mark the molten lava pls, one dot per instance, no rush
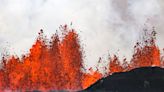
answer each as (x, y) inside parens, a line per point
(57, 64)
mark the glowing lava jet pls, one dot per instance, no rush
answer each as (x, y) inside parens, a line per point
(56, 66)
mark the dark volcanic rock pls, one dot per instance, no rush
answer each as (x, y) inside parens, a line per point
(147, 79)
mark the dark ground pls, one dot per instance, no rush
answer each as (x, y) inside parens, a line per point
(147, 79)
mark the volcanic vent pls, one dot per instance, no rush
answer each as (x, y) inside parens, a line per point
(57, 64)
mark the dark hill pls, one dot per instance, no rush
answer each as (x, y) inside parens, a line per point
(147, 79)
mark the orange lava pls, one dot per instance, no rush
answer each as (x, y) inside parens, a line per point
(57, 64)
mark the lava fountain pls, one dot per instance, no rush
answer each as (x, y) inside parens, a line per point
(57, 64)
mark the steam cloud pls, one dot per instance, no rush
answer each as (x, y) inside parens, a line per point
(104, 26)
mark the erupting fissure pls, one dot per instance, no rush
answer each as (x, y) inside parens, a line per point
(57, 64)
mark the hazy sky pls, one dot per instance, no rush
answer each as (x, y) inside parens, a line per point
(104, 26)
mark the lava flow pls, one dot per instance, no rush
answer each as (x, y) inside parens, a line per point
(57, 64)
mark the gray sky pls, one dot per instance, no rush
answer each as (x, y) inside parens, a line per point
(104, 26)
